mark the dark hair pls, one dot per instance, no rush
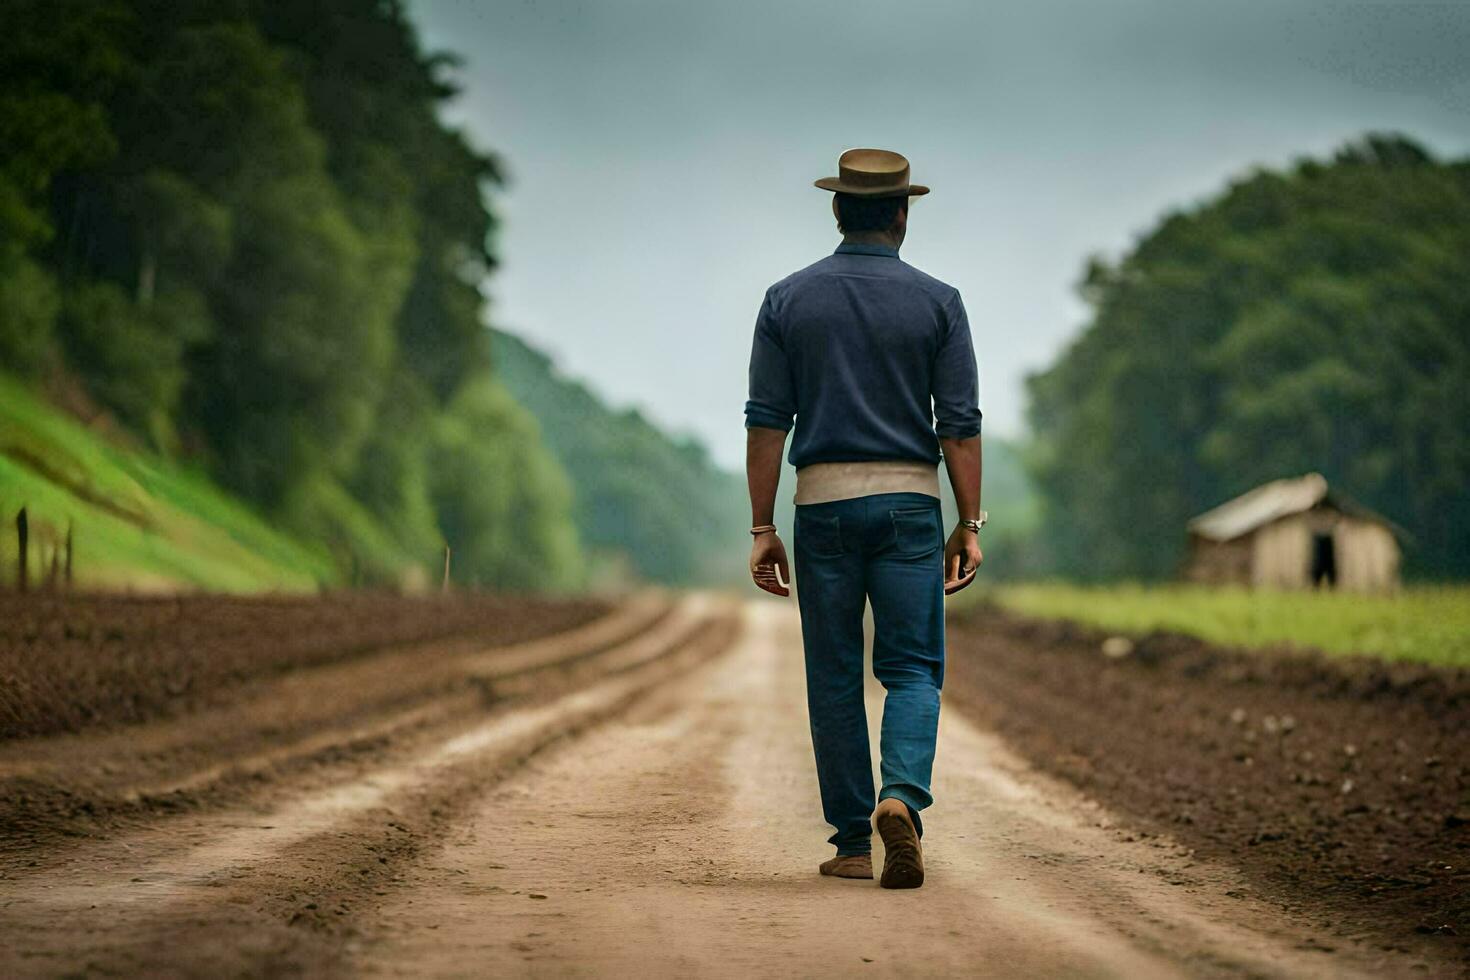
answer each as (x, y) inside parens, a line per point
(867, 213)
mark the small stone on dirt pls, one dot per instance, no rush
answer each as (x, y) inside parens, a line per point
(1117, 647)
(1444, 929)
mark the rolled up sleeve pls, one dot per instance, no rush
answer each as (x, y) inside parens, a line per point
(772, 403)
(956, 389)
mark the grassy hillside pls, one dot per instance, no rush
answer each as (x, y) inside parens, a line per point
(139, 521)
(1430, 624)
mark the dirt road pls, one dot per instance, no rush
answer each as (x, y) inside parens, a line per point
(685, 844)
(651, 812)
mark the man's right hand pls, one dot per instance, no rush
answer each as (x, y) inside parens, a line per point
(962, 559)
(767, 556)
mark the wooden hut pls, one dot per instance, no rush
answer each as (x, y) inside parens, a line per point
(1294, 534)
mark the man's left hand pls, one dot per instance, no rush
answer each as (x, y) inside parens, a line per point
(962, 559)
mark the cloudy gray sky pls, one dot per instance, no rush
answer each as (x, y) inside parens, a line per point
(662, 152)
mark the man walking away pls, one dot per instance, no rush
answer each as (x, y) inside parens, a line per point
(873, 361)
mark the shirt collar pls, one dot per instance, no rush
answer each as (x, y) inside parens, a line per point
(858, 248)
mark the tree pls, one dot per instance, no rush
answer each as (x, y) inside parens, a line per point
(243, 227)
(1317, 319)
(502, 499)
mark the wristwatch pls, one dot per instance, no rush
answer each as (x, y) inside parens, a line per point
(976, 525)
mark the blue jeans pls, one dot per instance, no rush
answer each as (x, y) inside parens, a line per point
(885, 549)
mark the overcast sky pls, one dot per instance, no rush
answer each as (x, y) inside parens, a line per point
(661, 154)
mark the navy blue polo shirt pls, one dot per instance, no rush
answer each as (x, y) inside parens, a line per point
(870, 357)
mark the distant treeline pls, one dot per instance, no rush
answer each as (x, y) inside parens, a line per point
(661, 505)
(240, 229)
(1314, 319)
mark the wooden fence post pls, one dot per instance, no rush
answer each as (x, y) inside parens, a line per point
(23, 534)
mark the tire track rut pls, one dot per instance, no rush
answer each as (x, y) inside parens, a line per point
(258, 889)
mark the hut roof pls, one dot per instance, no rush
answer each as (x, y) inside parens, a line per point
(1273, 501)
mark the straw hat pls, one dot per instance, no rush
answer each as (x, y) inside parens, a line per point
(872, 173)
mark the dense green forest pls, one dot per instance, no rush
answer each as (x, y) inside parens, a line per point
(238, 232)
(1314, 319)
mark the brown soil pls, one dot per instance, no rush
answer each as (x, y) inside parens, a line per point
(643, 806)
(277, 878)
(276, 702)
(69, 662)
(635, 795)
(1338, 785)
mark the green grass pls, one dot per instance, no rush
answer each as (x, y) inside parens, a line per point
(139, 521)
(1429, 624)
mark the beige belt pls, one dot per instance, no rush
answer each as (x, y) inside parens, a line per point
(819, 483)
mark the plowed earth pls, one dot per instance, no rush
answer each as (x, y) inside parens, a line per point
(70, 662)
(1340, 786)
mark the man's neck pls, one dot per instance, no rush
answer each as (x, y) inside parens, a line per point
(885, 238)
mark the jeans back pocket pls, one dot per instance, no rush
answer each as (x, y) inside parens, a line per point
(916, 531)
(819, 535)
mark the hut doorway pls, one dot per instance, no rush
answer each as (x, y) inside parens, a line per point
(1324, 561)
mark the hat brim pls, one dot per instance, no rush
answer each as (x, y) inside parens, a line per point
(836, 184)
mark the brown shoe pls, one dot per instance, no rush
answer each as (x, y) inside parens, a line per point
(903, 858)
(849, 866)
